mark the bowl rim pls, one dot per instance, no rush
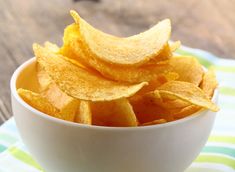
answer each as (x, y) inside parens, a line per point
(32, 60)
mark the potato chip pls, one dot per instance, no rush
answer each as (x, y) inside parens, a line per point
(51, 47)
(37, 101)
(67, 105)
(80, 83)
(44, 79)
(74, 49)
(113, 113)
(172, 105)
(146, 111)
(159, 80)
(84, 115)
(209, 83)
(165, 54)
(158, 121)
(133, 51)
(175, 45)
(188, 68)
(184, 91)
(189, 110)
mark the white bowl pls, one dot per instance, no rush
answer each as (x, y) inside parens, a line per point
(62, 146)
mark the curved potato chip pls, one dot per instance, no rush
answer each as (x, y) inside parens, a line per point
(209, 83)
(84, 115)
(80, 83)
(185, 91)
(135, 50)
(37, 101)
(66, 104)
(113, 113)
(75, 50)
(188, 68)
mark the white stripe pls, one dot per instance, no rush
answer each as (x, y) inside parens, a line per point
(225, 121)
(8, 132)
(225, 62)
(5, 143)
(226, 79)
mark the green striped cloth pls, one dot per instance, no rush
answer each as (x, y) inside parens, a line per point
(218, 155)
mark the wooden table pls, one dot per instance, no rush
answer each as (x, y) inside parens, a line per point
(202, 24)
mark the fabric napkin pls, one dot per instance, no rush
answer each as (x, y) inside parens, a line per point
(218, 155)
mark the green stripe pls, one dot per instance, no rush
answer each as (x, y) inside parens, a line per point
(8, 138)
(200, 169)
(202, 60)
(216, 159)
(221, 150)
(223, 139)
(2, 148)
(229, 69)
(24, 157)
(227, 91)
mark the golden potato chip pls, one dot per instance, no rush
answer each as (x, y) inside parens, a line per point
(146, 111)
(80, 83)
(189, 110)
(175, 45)
(51, 47)
(209, 83)
(188, 68)
(165, 54)
(113, 113)
(159, 80)
(69, 110)
(84, 115)
(37, 101)
(67, 105)
(44, 79)
(74, 49)
(171, 105)
(184, 91)
(134, 51)
(158, 121)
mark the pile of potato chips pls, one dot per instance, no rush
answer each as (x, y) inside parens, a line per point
(99, 79)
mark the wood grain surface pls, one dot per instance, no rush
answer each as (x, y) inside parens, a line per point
(207, 25)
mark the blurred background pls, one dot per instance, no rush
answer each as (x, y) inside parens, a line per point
(207, 25)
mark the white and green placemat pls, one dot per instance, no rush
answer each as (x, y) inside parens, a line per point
(217, 156)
